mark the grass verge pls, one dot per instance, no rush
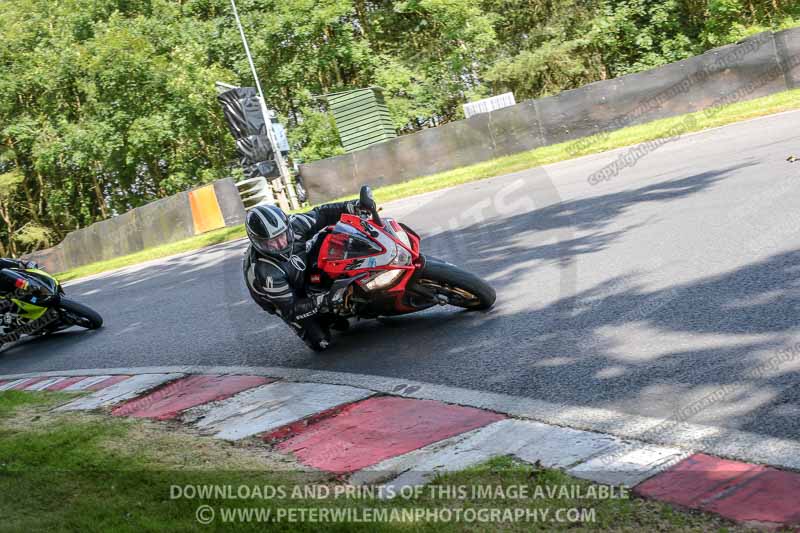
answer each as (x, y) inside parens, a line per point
(157, 252)
(90, 472)
(711, 118)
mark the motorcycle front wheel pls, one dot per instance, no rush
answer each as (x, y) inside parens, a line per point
(461, 288)
(77, 314)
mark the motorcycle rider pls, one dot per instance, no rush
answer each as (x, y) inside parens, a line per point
(11, 282)
(276, 264)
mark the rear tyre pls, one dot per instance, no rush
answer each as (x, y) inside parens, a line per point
(461, 288)
(77, 314)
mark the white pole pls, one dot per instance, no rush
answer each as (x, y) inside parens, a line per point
(247, 51)
(284, 171)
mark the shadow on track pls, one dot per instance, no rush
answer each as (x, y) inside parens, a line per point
(682, 343)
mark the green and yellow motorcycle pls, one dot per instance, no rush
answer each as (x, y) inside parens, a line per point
(41, 308)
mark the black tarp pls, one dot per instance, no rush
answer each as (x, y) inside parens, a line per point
(255, 148)
(246, 122)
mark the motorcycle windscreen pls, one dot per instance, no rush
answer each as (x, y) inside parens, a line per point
(346, 242)
(43, 279)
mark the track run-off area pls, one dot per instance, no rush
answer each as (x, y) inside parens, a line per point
(662, 302)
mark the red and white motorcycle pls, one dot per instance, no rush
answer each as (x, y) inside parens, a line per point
(373, 267)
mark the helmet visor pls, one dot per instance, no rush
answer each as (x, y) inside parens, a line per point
(274, 245)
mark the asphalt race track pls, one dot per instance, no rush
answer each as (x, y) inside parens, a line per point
(672, 287)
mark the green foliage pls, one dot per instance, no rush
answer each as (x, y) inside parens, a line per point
(33, 235)
(9, 183)
(315, 137)
(723, 17)
(108, 104)
(637, 35)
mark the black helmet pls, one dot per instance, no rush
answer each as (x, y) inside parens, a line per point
(268, 230)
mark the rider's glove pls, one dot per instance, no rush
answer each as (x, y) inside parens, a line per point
(355, 207)
(328, 302)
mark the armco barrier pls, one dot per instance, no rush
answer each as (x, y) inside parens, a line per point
(763, 64)
(161, 222)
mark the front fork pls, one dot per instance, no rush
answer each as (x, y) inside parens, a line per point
(418, 297)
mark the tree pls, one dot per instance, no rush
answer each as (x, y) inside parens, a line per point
(106, 105)
(10, 183)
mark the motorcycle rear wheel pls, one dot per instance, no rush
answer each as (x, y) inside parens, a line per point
(461, 288)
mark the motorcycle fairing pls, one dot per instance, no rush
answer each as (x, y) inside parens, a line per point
(361, 250)
(347, 248)
(31, 309)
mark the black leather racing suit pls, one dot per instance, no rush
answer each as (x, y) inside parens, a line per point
(278, 284)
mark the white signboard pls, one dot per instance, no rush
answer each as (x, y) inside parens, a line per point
(489, 104)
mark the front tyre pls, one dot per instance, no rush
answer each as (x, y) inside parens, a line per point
(459, 287)
(77, 314)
